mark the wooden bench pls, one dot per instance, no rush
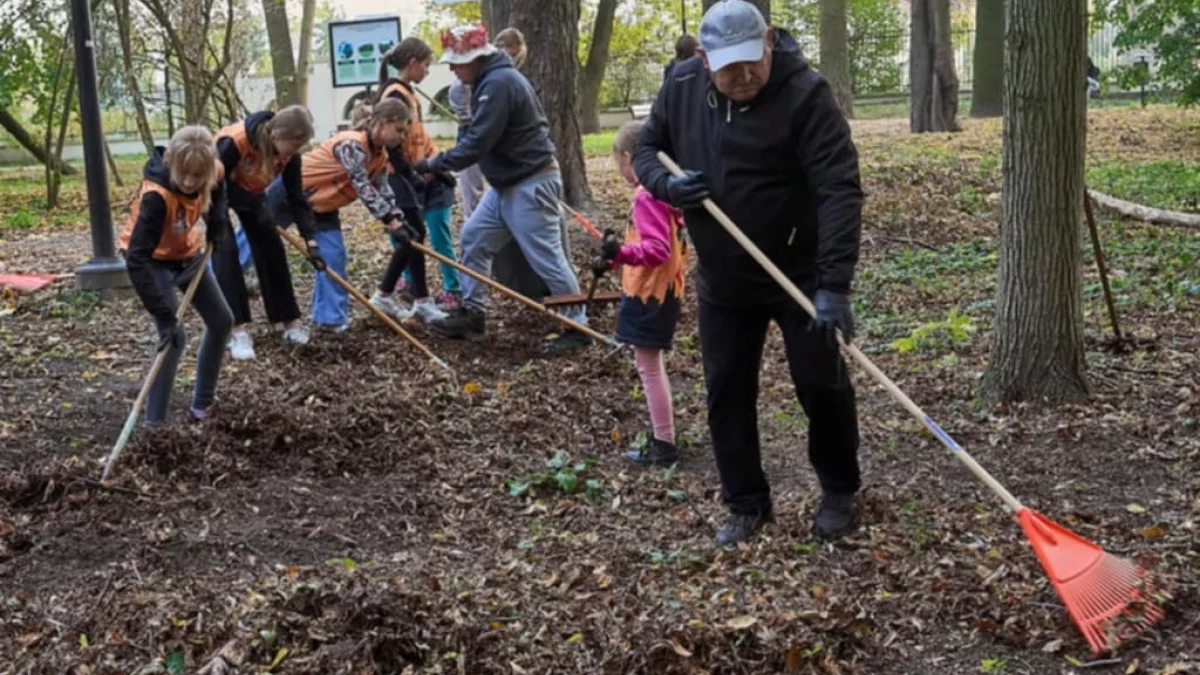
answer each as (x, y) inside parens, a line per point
(640, 110)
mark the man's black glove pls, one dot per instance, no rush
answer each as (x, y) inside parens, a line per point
(172, 336)
(314, 255)
(446, 178)
(610, 245)
(833, 312)
(687, 191)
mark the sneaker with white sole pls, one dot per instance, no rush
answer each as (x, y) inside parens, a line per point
(297, 335)
(388, 304)
(335, 328)
(427, 310)
(241, 346)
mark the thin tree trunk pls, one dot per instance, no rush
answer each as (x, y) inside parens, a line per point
(125, 30)
(283, 65)
(987, 89)
(52, 175)
(303, 61)
(112, 165)
(597, 64)
(945, 80)
(835, 53)
(764, 6)
(19, 133)
(933, 83)
(52, 187)
(167, 92)
(1037, 351)
(552, 32)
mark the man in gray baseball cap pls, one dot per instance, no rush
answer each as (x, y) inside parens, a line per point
(758, 131)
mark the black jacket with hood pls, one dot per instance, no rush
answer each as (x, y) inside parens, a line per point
(242, 202)
(782, 166)
(509, 136)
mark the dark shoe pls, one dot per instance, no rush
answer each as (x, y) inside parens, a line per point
(654, 453)
(743, 527)
(835, 517)
(467, 324)
(569, 341)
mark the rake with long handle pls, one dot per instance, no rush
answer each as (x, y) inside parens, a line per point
(387, 320)
(131, 420)
(524, 300)
(1100, 590)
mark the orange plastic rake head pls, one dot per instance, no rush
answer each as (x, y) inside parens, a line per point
(1103, 593)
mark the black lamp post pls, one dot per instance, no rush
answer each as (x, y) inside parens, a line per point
(105, 269)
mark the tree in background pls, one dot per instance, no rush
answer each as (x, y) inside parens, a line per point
(835, 62)
(1170, 29)
(875, 39)
(283, 62)
(932, 79)
(987, 87)
(595, 67)
(1037, 350)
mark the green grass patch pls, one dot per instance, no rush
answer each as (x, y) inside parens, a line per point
(599, 145)
(1167, 184)
(1155, 268)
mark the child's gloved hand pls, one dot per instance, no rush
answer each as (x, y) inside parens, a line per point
(600, 265)
(610, 246)
(171, 337)
(314, 255)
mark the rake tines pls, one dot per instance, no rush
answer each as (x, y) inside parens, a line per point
(1103, 592)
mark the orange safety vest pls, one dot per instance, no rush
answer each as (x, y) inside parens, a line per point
(250, 174)
(418, 144)
(180, 237)
(657, 282)
(327, 183)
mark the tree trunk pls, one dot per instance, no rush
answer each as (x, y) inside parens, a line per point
(835, 53)
(304, 60)
(124, 31)
(54, 181)
(934, 85)
(552, 32)
(764, 6)
(112, 165)
(167, 93)
(1037, 351)
(283, 64)
(497, 15)
(987, 91)
(14, 128)
(597, 64)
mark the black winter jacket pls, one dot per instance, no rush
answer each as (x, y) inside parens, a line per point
(782, 166)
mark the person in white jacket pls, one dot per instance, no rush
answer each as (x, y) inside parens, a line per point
(470, 179)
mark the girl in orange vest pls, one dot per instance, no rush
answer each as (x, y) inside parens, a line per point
(161, 243)
(426, 200)
(260, 154)
(350, 165)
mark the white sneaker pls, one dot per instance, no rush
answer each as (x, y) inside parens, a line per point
(241, 346)
(296, 336)
(426, 310)
(388, 304)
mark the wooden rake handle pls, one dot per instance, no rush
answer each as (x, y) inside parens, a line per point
(131, 420)
(798, 295)
(524, 300)
(387, 320)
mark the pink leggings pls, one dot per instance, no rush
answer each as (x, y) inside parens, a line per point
(658, 391)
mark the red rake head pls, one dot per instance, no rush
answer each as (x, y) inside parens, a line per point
(1102, 592)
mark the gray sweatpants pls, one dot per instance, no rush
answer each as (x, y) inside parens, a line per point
(218, 321)
(471, 187)
(527, 212)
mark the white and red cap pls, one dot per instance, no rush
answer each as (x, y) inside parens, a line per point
(464, 44)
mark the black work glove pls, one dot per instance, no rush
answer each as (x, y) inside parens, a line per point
(610, 246)
(402, 232)
(172, 336)
(446, 178)
(422, 167)
(833, 312)
(314, 255)
(600, 265)
(687, 191)
(217, 233)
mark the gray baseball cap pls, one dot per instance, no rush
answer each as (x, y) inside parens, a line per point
(733, 31)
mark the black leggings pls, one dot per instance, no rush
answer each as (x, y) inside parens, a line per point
(406, 257)
(271, 262)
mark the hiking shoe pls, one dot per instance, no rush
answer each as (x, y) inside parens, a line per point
(568, 341)
(743, 527)
(450, 301)
(241, 346)
(835, 516)
(470, 324)
(426, 310)
(297, 335)
(388, 304)
(654, 453)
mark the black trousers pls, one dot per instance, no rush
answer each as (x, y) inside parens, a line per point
(732, 339)
(270, 260)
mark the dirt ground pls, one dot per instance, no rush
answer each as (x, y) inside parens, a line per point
(349, 509)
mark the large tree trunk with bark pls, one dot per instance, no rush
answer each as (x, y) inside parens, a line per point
(283, 64)
(933, 81)
(496, 14)
(21, 135)
(125, 33)
(304, 59)
(835, 53)
(987, 90)
(597, 63)
(764, 6)
(552, 32)
(1037, 350)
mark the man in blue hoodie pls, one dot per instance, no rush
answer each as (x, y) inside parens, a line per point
(509, 137)
(759, 132)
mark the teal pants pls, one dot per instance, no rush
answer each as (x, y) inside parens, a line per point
(437, 221)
